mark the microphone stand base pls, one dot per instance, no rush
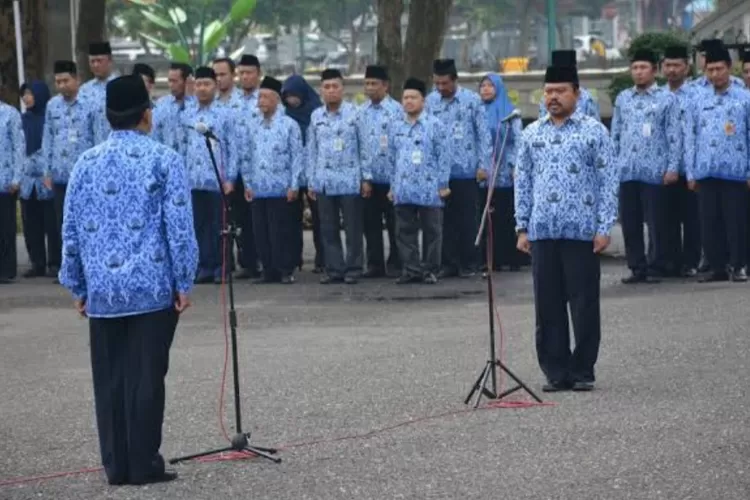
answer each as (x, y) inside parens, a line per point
(240, 443)
(480, 386)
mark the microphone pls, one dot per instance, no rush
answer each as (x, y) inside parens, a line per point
(203, 130)
(515, 114)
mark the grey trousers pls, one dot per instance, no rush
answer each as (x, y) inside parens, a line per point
(330, 210)
(409, 220)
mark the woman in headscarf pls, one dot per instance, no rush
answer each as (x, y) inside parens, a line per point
(37, 207)
(301, 100)
(497, 106)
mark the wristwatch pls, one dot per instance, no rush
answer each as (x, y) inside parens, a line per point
(520, 231)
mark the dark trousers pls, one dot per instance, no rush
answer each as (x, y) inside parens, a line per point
(59, 191)
(275, 235)
(644, 203)
(378, 208)
(313, 204)
(247, 252)
(129, 361)
(40, 232)
(460, 226)
(683, 226)
(8, 228)
(409, 220)
(503, 227)
(723, 207)
(330, 209)
(207, 218)
(566, 272)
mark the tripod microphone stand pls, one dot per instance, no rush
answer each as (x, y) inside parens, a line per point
(489, 373)
(241, 440)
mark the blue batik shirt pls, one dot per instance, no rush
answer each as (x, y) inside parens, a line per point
(586, 105)
(686, 95)
(375, 119)
(647, 134)
(468, 145)
(722, 135)
(508, 141)
(128, 240)
(95, 90)
(239, 102)
(566, 183)
(336, 161)
(13, 144)
(169, 115)
(703, 82)
(201, 171)
(418, 152)
(68, 131)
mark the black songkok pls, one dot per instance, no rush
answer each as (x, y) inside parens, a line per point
(249, 60)
(330, 74)
(100, 49)
(144, 70)
(442, 67)
(271, 83)
(377, 72)
(676, 52)
(711, 43)
(127, 95)
(564, 58)
(646, 55)
(718, 54)
(561, 74)
(205, 72)
(415, 84)
(65, 67)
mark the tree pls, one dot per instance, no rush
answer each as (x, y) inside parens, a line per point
(92, 23)
(34, 35)
(479, 16)
(336, 15)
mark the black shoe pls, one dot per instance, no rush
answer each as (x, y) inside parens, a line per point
(447, 273)
(218, 280)
(203, 280)
(53, 271)
(35, 273)
(467, 274)
(639, 278)
(405, 279)
(429, 279)
(583, 386)
(556, 386)
(164, 477)
(740, 275)
(689, 272)
(247, 274)
(7, 281)
(287, 280)
(327, 280)
(318, 270)
(351, 280)
(266, 279)
(374, 273)
(715, 278)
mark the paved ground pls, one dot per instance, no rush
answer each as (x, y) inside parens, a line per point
(670, 418)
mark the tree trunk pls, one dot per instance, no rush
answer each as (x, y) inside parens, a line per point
(389, 47)
(353, 62)
(424, 35)
(524, 11)
(34, 34)
(92, 23)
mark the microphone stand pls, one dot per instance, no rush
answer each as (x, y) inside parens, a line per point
(490, 369)
(241, 440)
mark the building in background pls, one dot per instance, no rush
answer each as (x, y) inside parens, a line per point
(730, 21)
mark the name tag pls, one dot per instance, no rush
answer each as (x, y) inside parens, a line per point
(537, 144)
(383, 142)
(338, 145)
(416, 157)
(73, 137)
(458, 131)
(646, 130)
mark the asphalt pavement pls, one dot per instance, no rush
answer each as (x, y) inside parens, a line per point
(362, 387)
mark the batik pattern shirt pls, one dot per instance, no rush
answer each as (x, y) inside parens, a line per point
(200, 168)
(169, 117)
(686, 95)
(128, 240)
(506, 162)
(566, 184)
(68, 131)
(703, 82)
(13, 144)
(647, 134)
(375, 119)
(586, 104)
(95, 91)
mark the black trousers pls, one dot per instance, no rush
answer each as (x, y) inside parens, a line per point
(683, 226)
(247, 252)
(275, 235)
(59, 191)
(644, 203)
(504, 251)
(8, 228)
(723, 207)
(409, 220)
(129, 361)
(207, 218)
(313, 204)
(330, 209)
(40, 232)
(460, 226)
(566, 273)
(378, 208)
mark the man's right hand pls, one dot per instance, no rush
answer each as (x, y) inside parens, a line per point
(182, 302)
(693, 186)
(523, 243)
(311, 194)
(249, 195)
(47, 182)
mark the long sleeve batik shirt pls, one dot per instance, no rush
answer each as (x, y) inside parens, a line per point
(566, 184)
(169, 128)
(702, 82)
(647, 134)
(375, 119)
(686, 95)
(68, 131)
(271, 158)
(505, 162)
(95, 91)
(468, 143)
(13, 144)
(418, 153)
(201, 171)
(721, 147)
(128, 240)
(336, 162)
(586, 105)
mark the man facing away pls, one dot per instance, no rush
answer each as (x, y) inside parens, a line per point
(566, 204)
(129, 259)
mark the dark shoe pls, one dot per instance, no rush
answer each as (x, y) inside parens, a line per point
(447, 273)
(704, 267)
(287, 280)
(429, 279)
(514, 268)
(556, 386)
(467, 274)
(53, 271)
(318, 270)
(35, 273)
(405, 279)
(266, 279)
(247, 274)
(327, 280)
(639, 278)
(204, 279)
(583, 386)
(740, 275)
(374, 273)
(351, 280)
(218, 280)
(7, 281)
(715, 278)
(689, 272)
(164, 477)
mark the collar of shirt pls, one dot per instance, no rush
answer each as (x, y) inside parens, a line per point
(269, 122)
(652, 89)
(126, 134)
(573, 119)
(384, 102)
(341, 111)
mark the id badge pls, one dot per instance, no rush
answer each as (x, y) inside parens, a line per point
(383, 142)
(73, 137)
(338, 144)
(729, 129)
(646, 130)
(458, 131)
(416, 157)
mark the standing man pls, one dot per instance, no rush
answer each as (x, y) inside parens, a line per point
(208, 113)
(566, 204)
(704, 81)
(468, 148)
(338, 178)
(226, 92)
(169, 113)
(376, 114)
(745, 58)
(682, 204)
(12, 162)
(69, 130)
(419, 185)
(272, 183)
(720, 171)
(130, 272)
(586, 104)
(647, 136)
(101, 65)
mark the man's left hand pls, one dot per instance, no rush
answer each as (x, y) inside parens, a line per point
(366, 189)
(291, 195)
(671, 177)
(601, 243)
(80, 306)
(228, 188)
(481, 175)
